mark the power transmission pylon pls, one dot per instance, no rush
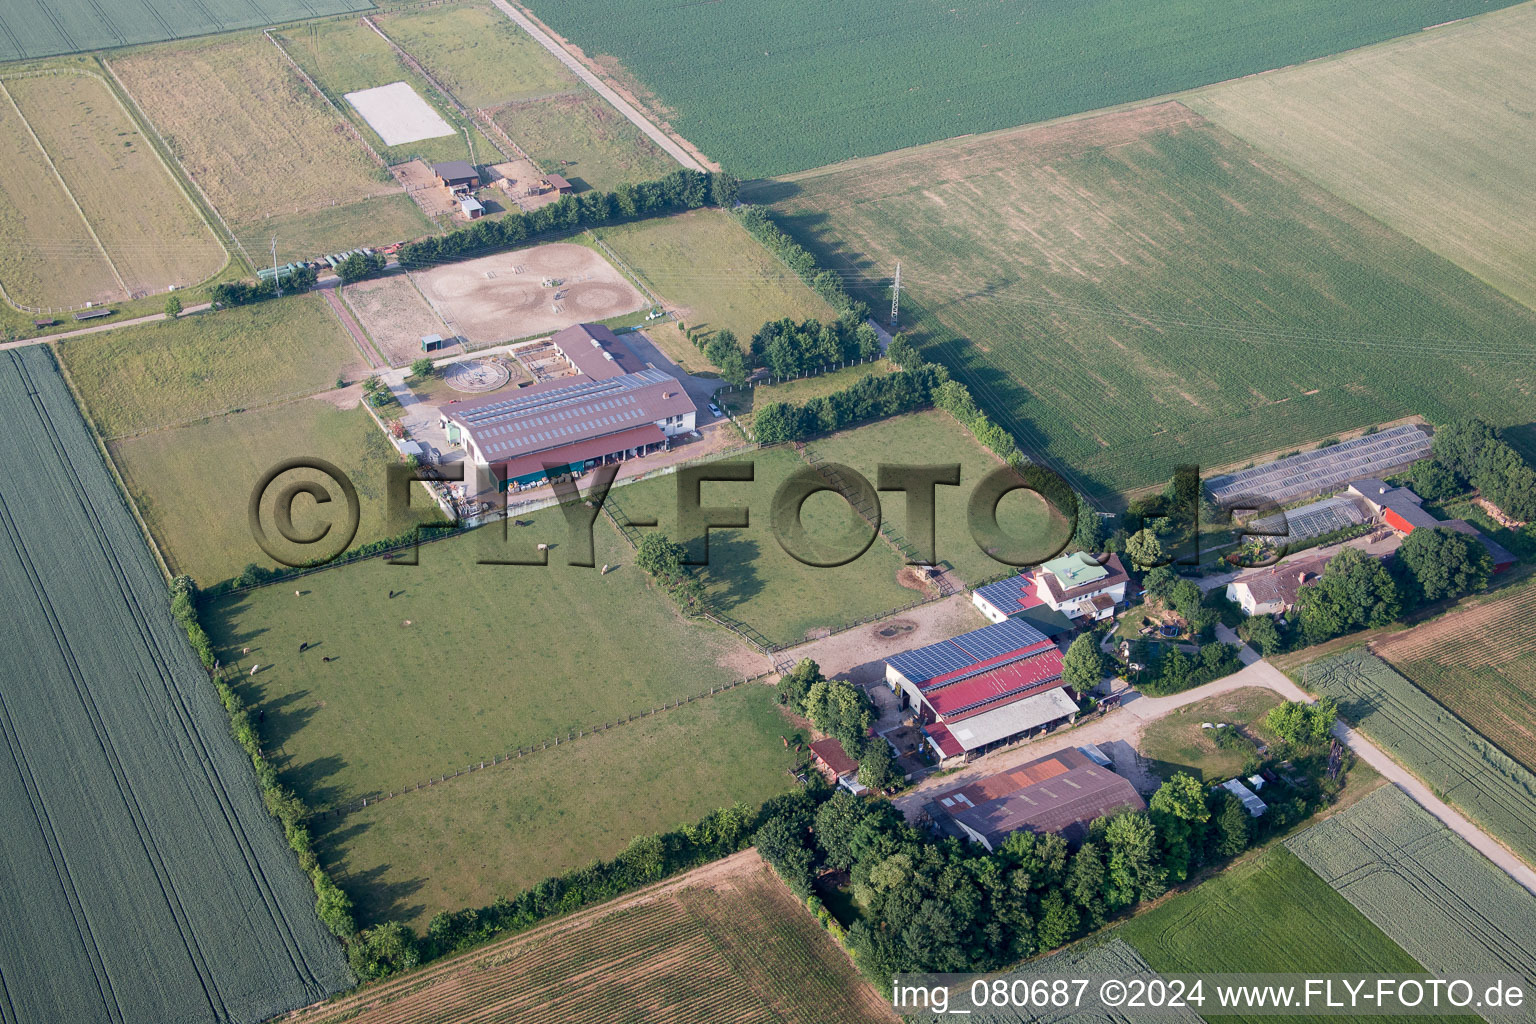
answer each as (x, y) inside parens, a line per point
(896, 297)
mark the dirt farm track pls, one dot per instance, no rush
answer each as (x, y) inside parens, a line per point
(503, 297)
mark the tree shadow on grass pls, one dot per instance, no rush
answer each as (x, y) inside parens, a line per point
(731, 577)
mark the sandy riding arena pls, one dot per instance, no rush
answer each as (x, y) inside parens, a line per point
(476, 377)
(513, 295)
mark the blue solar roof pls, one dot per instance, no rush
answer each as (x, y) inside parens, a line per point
(1004, 594)
(965, 650)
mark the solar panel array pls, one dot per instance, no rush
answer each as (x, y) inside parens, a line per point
(1323, 469)
(1313, 520)
(946, 656)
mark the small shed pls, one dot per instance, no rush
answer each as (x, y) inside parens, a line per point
(833, 760)
(456, 174)
(1250, 799)
(470, 207)
(559, 184)
(431, 342)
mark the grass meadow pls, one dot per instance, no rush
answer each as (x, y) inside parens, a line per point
(1431, 133)
(744, 403)
(169, 372)
(1178, 742)
(714, 274)
(1268, 913)
(935, 438)
(478, 54)
(465, 841)
(580, 137)
(193, 483)
(152, 234)
(1135, 290)
(911, 73)
(1480, 663)
(752, 579)
(253, 136)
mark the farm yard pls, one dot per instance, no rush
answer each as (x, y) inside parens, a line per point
(1268, 913)
(478, 54)
(132, 822)
(134, 211)
(504, 297)
(43, 28)
(256, 140)
(935, 438)
(751, 579)
(174, 371)
(463, 842)
(1422, 885)
(1430, 133)
(395, 315)
(725, 944)
(351, 727)
(713, 275)
(192, 483)
(1480, 663)
(761, 106)
(1463, 768)
(1135, 290)
(579, 136)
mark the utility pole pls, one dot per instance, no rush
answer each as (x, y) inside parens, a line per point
(275, 282)
(896, 297)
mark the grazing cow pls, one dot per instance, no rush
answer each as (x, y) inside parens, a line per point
(326, 660)
(254, 668)
(303, 647)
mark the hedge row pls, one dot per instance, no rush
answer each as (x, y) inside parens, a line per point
(797, 258)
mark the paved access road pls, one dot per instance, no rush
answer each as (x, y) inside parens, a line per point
(620, 104)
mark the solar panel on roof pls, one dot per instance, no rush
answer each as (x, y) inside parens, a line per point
(998, 639)
(925, 663)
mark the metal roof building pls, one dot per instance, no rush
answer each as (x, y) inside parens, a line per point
(1062, 792)
(1323, 470)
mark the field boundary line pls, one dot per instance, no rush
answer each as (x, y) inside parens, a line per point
(345, 120)
(127, 293)
(154, 130)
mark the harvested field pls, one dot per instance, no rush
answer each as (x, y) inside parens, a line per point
(500, 298)
(478, 54)
(1463, 768)
(130, 822)
(41, 233)
(713, 275)
(580, 137)
(1480, 663)
(752, 579)
(1268, 913)
(765, 102)
(154, 237)
(249, 131)
(42, 28)
(1431, 133)
(1139, 289)
(467, 840)
(725, 944)
(168, 372)
(1421, 884)
(395, 316)
(192, 483)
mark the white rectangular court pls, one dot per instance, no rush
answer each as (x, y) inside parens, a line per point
(398, 114)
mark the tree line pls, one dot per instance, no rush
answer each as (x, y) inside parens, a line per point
(796, 257)
(843, 711)
(951, 906)
(1471, 453)
(788, 349)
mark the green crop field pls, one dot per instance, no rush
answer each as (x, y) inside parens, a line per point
(172, 371)
(579, 136)
(752, 85)
(1113, 957)
(482, 644)
(347, 56)
(130, 822)
(479, 55)
(714, 275)
(141, 221)
(753, 580)
(1269, 913)
(41, 28)
(1430, 133)
(464, 841)
(1136, 290)
(192, 483)
(726, 944)
(1421, 884)
(1464, 768)
(1481, 663)
(935, 438)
